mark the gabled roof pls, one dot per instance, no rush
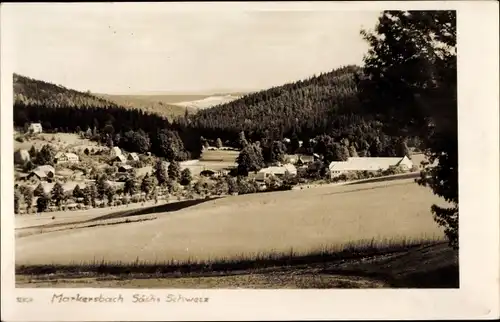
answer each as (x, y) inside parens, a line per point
(115, 150)
(121, 157)
(45, 168)
(279, 169)
(365, 163)
(133, 156)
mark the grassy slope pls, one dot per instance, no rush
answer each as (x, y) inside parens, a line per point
(433, 266)
(304, 220)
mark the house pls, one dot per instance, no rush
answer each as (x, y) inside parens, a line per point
(35, 128)
(21, 156)
(65, 157)
(277, 171)
(43, 172)
(115, 151)
(120, 158)
(338, 168)
(133, 157)
(124, 168)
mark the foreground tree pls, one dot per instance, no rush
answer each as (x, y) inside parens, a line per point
(17, 201)
(46, 155)
(57, 193)
(250, 159)
(33, 152)
(410, 83)
(77, 192)
(102, 185)
(186, 177)
(28, 195)
(148, 185)
(39, 190)
(170, 145)
(42, 203)
(90, 195)
(160, 173)
(174, 171)
(131, 186)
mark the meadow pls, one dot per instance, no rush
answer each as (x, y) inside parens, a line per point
(299, 221)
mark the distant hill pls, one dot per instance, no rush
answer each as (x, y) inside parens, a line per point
(158, 104)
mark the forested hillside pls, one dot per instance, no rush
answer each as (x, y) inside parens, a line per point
(38, 92)
(306, 107)
(326, 104)
(324, 107)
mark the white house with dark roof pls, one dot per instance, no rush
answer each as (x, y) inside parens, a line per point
(43, 172)
(66, 157)
(133, 157)
(35, 128)
(277, 171)
(120, 158)
(370, 164)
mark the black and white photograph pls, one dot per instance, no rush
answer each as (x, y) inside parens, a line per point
(231, 148)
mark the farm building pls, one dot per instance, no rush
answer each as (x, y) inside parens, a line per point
(115, 151)
(119, 158)
(43, 172)
(337, 168)
(278, 171)
(133, 157)
(35, 128)
(66, 157)
(21, 156)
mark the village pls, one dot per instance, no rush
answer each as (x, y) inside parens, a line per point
(121, 178)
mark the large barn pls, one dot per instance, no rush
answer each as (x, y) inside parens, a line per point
(375, 164)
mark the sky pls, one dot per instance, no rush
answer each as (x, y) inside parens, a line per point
(159, 47)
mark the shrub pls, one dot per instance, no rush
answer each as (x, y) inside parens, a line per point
(28, 166)
(20, 139)
(110, 170)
